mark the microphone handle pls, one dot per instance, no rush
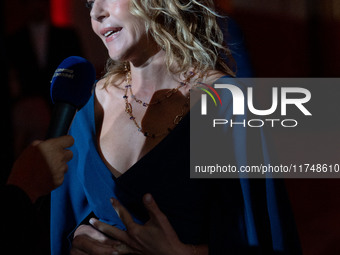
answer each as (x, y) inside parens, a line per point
(62, 117)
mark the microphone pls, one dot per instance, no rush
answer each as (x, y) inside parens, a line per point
(71, 88)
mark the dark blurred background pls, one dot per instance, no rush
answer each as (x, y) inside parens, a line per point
(279, 38)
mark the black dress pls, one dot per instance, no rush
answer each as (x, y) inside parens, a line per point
(232, 216)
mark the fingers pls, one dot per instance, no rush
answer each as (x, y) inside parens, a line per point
(63, 141)
(83, 244)
(152, 207)
(128, 237)
(109, 230)
(68, 155)
(67, 141)
(59, 145)
(149, 203)
(95, 234)
(124, 245)
(123, 214)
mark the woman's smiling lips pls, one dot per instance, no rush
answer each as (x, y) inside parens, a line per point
(110, 33)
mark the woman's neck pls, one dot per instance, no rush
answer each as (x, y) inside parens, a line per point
(152, 75)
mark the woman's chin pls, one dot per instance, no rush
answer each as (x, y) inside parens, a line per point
(115, 57)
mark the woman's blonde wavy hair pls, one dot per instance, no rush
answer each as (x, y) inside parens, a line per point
(188, 32)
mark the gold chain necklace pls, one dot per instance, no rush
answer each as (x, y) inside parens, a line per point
(129, 111)
(166, 96)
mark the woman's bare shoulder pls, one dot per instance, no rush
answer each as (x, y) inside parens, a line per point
(100, 90)
(101, 84)
(107, 89)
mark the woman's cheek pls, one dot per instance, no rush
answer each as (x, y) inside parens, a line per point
(95, 27)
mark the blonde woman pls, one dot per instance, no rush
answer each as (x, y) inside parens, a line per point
(130, 174)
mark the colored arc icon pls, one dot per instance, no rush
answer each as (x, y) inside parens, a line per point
(210, 94)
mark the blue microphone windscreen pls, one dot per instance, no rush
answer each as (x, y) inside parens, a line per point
(72, 82)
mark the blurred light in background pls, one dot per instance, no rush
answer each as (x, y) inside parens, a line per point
(61, 13)
(225, 5)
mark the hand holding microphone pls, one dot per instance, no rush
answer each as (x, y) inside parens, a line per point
(41, 167)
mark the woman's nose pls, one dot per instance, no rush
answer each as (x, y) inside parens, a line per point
(98, 11)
